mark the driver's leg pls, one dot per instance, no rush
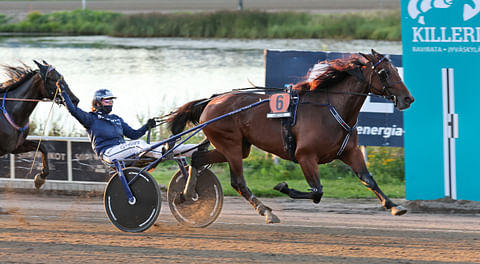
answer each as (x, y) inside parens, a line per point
(124, 150)
(185, 150)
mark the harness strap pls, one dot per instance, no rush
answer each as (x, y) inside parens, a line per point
(378, 62)
(289, 139)
(11, 122)
(345, 126)
(340, 120)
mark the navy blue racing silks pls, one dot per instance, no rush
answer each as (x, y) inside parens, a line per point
(104, 130)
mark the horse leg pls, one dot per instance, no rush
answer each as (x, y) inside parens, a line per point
(29, 145)
(355, 160)
(237, 180)
(238, 183)
(310, 170)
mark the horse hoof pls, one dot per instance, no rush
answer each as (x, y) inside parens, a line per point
(317, 197)
(398, 210)
(271, 218)
(39, 181)
(281, 187)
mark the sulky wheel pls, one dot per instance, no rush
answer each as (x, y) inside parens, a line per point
(206, 204)
(140, 215)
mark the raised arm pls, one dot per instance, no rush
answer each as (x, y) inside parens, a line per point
(83, 117)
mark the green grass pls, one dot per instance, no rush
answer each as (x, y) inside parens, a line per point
(338, 181)
(77, 22)
(222, 24)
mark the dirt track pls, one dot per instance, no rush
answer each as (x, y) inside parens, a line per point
(69, 229)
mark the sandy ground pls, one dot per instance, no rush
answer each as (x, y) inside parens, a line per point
(18, 9)
(41, 228)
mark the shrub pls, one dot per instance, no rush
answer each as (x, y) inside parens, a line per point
(221, 24)
(386, 163)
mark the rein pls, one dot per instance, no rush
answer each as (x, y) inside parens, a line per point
(44, 130)
(264, 89)
(57, 89)
(28, 100)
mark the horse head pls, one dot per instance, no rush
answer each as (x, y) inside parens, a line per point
(383, 79)
(50, 77)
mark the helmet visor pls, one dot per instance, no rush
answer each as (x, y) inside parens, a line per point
(107, 101)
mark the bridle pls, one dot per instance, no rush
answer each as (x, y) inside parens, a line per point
(51, 93)
(383, 76)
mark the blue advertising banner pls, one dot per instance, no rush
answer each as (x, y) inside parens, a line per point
(379, 124)
(441, 50)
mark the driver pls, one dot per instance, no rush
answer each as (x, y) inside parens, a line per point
(107, 131)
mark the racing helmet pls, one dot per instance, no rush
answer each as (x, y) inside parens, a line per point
(98, 96)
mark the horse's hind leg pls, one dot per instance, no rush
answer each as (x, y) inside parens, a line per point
(237, 181)
(234, 157)
(310, 171)
(27, 146)
(202, 157)
(355, 160)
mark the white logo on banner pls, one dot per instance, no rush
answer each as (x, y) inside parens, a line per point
(417, 8)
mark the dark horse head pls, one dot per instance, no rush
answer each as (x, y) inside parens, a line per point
(383, 79)
(50, 77)
(19, 97)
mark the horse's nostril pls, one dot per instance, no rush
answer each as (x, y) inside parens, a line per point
(409, 100)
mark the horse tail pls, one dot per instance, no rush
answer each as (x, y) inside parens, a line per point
(189, 112)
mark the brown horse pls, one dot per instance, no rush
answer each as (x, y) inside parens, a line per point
(19, 96)
(327, 113)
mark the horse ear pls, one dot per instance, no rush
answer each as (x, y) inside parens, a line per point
(44, 62)
(376, 54)
(367, 56)
(38, 64)
(43, 69)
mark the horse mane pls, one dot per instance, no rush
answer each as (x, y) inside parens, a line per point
(326, 73)
(17, 76)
